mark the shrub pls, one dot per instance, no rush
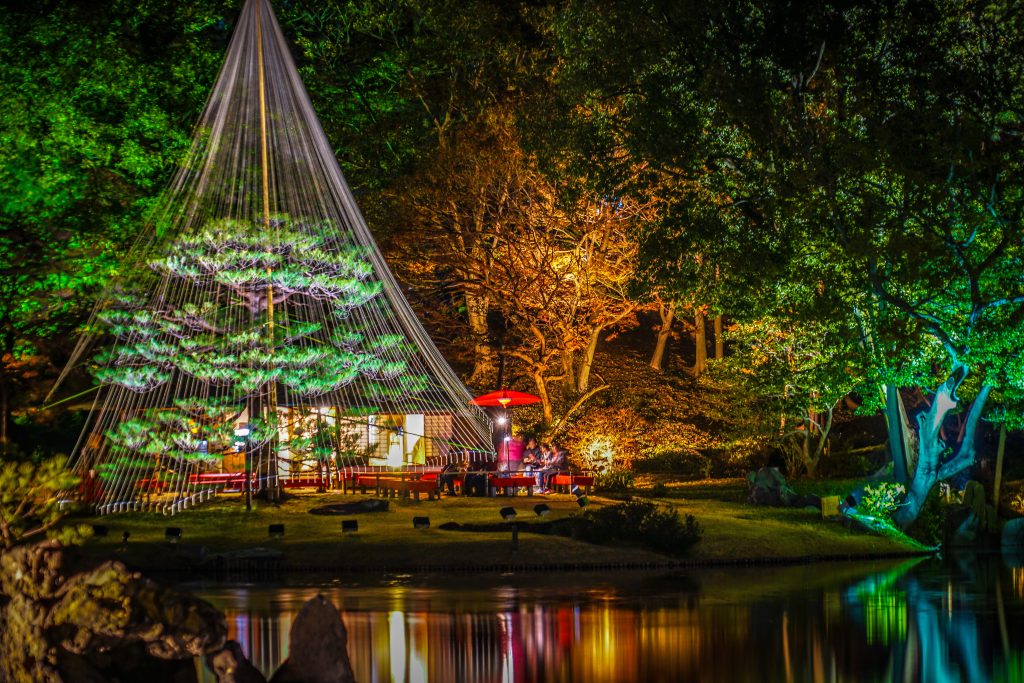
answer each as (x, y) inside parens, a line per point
(657, 527)
(687, 464)
(29, 501)
(615, 480)
(928, 528)
(881, 500)
(606, 438)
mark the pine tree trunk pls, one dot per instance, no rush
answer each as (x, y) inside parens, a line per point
(583, 381)
(719, 339)
(700, 339)
(667, 314)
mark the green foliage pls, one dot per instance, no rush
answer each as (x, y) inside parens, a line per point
(218, 337)
(616, 480)
(657, 527)
(30, 501)
(96, 112)
(881, 500)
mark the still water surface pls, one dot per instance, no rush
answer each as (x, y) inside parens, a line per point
(932, 621)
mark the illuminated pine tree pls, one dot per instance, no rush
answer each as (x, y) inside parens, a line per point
(261, 317)
(251, 316)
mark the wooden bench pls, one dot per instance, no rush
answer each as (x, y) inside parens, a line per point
(225, 479)
(389, 484)
(510, 483)
(565, 482)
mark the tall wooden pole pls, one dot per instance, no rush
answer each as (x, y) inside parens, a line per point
(271, 407)
(1000, 451)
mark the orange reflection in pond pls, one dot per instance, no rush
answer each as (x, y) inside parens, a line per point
(910, 621)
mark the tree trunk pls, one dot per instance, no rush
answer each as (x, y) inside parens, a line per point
(700, 339)
(483, 356)
(930, 468)
(569, 367)
(4, 407)
(667, 314)
(719, 339)
(894, 425)
(545, 399)
(1000, 451)
(583, 380)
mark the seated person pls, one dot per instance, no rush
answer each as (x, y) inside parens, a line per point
(542, 461)
(554, 465)
(531, 456)
(477, 481)
(452, 472)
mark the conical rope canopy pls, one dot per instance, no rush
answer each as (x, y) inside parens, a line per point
(258, 335)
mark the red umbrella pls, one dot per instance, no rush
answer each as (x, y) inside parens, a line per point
(506, 398)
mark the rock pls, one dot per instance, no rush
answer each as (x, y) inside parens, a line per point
(230, 665)
(63, 620)
(110, 606)
(319, 647)
(966, 532)
(769, 487)
(1013, 534)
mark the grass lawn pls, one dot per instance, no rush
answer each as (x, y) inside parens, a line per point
(733, 530)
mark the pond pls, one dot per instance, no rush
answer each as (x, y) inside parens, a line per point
(928, 620)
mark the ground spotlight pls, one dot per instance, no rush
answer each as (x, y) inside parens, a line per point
(100, 530)
(172, 534)
(421, 522)
(541, 509)
(349, 526)
(508, 513)
(275, 530)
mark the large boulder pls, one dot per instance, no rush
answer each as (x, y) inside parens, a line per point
(768, 487)
(1013, 534)
(319, 647)
(66, 620)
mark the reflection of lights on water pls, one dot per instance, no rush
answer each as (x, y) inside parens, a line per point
(396, 641)
(508, 667)
(1017, 579)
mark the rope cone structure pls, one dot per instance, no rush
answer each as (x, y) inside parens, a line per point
(259, 336)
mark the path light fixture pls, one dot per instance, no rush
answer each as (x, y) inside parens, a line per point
(507, 513)
(421, 522)
(582, 501)
(542, 509)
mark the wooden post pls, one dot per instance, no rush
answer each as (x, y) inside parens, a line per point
(1000, 451)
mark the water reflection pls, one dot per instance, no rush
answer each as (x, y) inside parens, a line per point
(922, 621)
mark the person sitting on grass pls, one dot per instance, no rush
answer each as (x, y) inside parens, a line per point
(552, 466)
